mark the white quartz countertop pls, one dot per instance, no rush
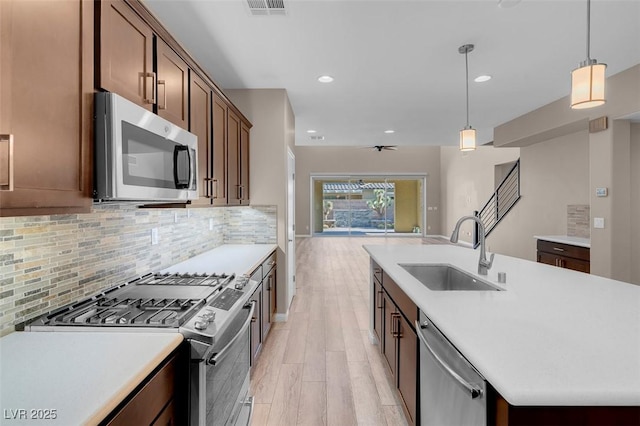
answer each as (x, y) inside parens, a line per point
(229, 258)
(83, 376)
(565, 239)
(554, 337)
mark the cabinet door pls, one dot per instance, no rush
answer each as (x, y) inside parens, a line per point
(172, 88)
(389, 341)
(46, 103)
(233, 158)
(244, 164)
(407, 367)
(126, 54)
(575, 264)
(547, 259)
(256, 338)
(200, 125)
(268, 302)
(219, 173)
(378, 310)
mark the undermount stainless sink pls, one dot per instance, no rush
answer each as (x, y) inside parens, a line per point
(446, 278)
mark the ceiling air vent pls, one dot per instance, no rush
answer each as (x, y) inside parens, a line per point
(316, 138)
(266, 7)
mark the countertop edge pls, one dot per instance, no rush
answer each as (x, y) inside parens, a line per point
(565, 239)
(133, 382)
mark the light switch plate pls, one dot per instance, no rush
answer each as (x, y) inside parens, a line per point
(602, 192)
(155, 237)
(598, 222)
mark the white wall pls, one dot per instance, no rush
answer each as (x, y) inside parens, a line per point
(269, 110)
(467, 182)
(635, 203)
(360, 160)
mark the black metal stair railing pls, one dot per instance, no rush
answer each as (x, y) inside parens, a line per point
(500, 203)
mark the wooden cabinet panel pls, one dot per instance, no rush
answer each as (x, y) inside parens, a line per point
(200, 115)
(126, 54)
(256, 336)
(244, 165)
(46, 103)
(389, 341)
(564, 256)
(219, 152)
(405, 304)
(408, 368)
(145, 406)
(172, 86)
(378, 310)
(233, 158)
(268, 299)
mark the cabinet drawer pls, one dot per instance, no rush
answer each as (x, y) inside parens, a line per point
(269, 264)
(404, 303)
(377, 271)
(565, 250)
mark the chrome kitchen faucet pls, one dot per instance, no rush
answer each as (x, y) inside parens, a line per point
(483, 264)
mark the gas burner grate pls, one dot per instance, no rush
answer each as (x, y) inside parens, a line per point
(209, 280)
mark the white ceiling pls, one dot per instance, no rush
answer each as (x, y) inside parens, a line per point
(396, 63)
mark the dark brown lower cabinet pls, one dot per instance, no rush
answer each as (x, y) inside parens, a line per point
(399, 345)
(510, 415)
(564, 256)
(378, 309)
(161, 399)
(256, 320)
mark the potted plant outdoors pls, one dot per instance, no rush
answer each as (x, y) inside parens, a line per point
(327, 208)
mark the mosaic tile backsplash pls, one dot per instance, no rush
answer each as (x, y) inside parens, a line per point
(578, 220)
(50, 261)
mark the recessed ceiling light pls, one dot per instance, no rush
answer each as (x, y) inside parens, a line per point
(389, 131)
(325, 79)
(482, 78)
(311, 131)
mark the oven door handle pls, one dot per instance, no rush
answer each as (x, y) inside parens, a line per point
(223, 352)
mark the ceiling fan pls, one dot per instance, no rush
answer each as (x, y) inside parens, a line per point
(386, 147)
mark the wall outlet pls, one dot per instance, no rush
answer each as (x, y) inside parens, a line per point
(175, 217)
(155, 237)
(598, 222)
(210, 224)
(188, 213)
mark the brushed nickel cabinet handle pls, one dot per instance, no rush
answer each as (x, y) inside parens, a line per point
(207, 187)
(153, 87)
(215, 193)
(6, 185)
(164, 96)
(558, 249)
(380, 300)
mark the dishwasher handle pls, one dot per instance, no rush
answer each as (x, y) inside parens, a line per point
(474, 390)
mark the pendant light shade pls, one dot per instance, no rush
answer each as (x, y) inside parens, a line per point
(467, 139)
(468, 134)
(588, 81)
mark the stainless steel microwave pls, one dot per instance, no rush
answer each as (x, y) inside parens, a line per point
(140, 156)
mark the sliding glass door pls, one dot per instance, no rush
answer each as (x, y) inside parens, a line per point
(368, 205)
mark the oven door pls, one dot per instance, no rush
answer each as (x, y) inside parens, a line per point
(220, 395)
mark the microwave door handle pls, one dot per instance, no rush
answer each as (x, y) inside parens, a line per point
(176, 154)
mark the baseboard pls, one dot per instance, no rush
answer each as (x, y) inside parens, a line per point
(373, 338)
(281, 317)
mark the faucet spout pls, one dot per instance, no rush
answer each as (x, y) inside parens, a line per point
(483, 264)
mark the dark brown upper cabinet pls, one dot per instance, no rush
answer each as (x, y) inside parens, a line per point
(46, 103)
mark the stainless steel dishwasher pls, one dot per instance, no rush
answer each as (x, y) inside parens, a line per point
(452, 392)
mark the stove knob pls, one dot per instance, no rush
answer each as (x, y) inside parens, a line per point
(201, 325)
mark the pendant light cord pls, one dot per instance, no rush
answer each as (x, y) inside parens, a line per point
(466, 62)
(588, 30)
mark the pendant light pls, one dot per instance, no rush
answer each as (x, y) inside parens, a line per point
(587, 82)
(468, 134)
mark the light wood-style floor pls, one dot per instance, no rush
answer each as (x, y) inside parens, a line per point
(319, 367)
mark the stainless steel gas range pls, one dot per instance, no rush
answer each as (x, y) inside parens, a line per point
(209, 310)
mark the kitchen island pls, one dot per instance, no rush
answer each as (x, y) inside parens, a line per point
(552, 337)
